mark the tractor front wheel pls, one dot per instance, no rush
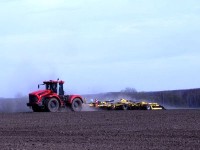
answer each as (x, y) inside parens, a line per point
(52, 105)
(76, 104)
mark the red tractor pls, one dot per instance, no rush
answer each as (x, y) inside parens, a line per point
(52, 98)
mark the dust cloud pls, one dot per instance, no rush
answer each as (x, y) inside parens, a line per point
(86, 107)
(13, 105)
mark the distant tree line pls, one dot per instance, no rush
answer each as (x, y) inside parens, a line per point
(129, 90)
(177, 98)
(181, 98)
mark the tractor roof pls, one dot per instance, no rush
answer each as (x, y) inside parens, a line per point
(53, 81)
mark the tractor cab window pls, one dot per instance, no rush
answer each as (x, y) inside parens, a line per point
(61, 91)
(52, 87)
(48, 87)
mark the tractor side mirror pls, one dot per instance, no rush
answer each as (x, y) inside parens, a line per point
(38, 86)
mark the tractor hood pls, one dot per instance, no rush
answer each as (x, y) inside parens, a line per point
(41, 92)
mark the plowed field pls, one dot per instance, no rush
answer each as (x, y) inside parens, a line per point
(170, 129)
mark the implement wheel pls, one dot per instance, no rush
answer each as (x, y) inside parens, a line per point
(148, 107)
(112, 107)
(163, 108)
(76, 104)
(124, 107)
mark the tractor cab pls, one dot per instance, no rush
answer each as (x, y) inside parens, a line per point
(55, 86)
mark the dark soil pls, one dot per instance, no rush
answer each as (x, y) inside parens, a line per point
(170, 129)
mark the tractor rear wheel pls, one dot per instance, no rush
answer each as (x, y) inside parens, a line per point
(52, 105)
(76, 104)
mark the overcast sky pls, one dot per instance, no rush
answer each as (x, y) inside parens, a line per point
(99, 45)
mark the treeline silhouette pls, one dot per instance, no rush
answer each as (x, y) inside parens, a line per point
(189, 98)
(178, 98)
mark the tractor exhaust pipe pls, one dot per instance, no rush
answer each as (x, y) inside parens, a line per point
(58, 86)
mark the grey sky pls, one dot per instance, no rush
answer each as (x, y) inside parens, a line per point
(99, 45)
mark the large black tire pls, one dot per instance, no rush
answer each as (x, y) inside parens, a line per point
(52, 105)
(76, 104)
(36, 108)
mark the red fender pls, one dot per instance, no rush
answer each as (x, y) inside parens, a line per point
(72, 97)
